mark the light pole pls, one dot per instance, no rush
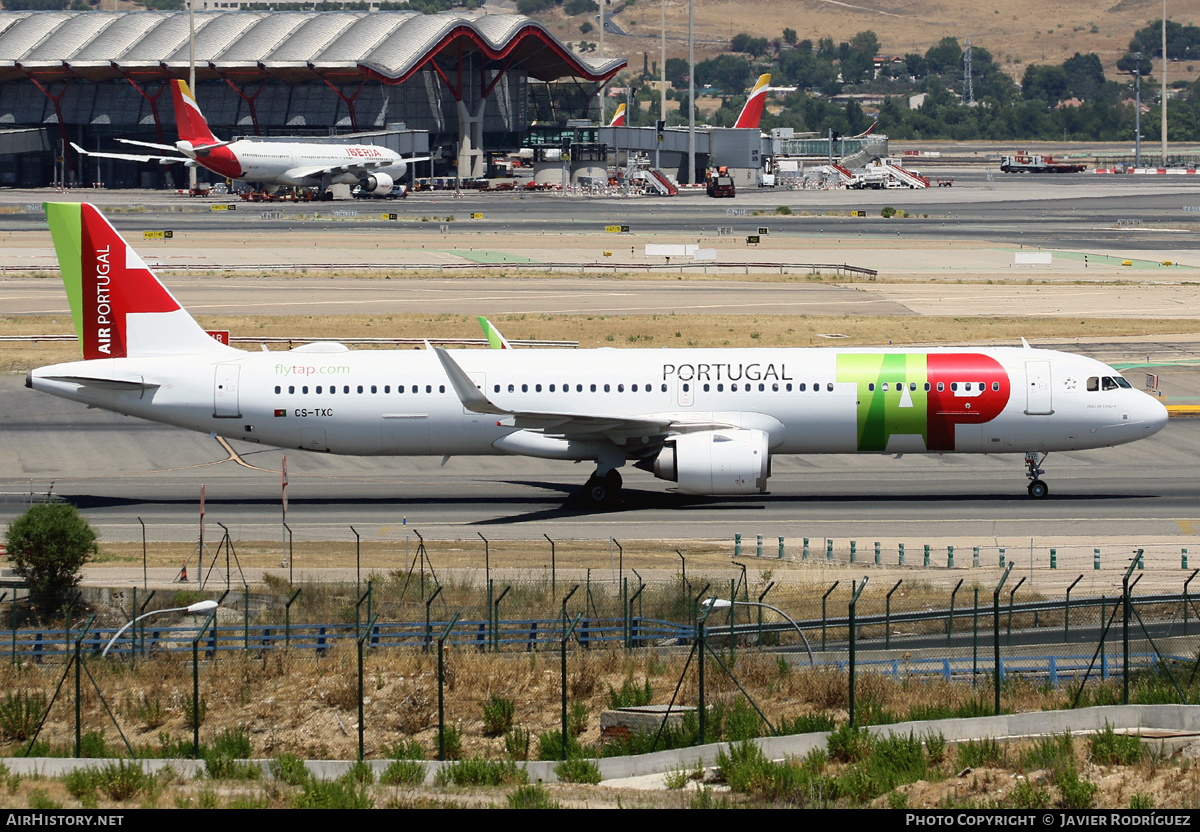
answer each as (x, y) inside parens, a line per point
(194, 609)
(722, 604)
(1137, 97)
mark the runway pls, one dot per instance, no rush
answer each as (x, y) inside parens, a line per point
(118, 470)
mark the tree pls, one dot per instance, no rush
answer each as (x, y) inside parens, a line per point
(789, 37)
(48, 546)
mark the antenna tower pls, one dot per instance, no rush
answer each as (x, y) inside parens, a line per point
(968, 96)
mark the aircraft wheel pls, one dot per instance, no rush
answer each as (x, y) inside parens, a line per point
(614, 482)
(1038, 489)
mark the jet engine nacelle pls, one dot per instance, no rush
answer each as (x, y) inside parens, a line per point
(377, 183)
(730, 461)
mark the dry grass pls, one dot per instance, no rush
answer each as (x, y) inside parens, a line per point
(651, 331)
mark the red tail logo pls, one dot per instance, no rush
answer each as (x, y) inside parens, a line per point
(115, 283)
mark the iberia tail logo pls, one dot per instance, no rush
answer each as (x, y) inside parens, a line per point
(752, 113)
(105, 279)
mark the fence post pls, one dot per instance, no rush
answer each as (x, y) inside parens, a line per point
(926, 561)
(805, 555)
(853, 638)
(1001, 557)
(901, 554)
(878, 557)
(1096, 560)
(737, 545)
(949, 557)
(996, 635)
(1053, 558)
(975, 558)
(829, 549)
(781, 552)
(853, 551)
(759, 552)
(1183, 559)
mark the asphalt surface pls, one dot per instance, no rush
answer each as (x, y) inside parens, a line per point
(120, 469)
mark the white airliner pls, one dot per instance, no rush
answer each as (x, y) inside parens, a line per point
(708, 420)
(271, 164)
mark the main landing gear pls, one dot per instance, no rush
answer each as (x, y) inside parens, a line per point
(1037, 486)
(602, 490)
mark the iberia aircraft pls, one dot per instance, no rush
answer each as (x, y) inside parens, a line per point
(618, 119)
(272, 164)
(708, 420)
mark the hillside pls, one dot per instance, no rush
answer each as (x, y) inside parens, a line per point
(1016, 32)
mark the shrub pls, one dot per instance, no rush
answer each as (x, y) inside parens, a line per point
(20, 713)
(403, 773)
(1107, 747)
(48, 546)
(850, 744)
(986, 752)
(481, 773)
(888, 212)
(630, 695)
(550, 746)
(516, 744)
(532, 796)
(498, 715)
(578, 770)
(289, 769)
(333, 794)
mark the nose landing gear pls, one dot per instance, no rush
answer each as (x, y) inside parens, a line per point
(1037, 486)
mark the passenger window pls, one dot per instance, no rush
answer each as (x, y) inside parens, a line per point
(441, 388)
(374, 389)
(277, 389)
(912, 385)
(927, 387)
(428, 388)
(789, 387)
(801, 387)
(318, 388)
(871, 387)
(495, 388)
(593, 388)
(304, 389)
(579, 388)
(687, 387)
(620, 388)
(774, 388)
(633, 389)
(706, 387)
(400, 388)
(829, 386)
(537, 388)
(761, 387)
(387, 388)
(664, 388)
(346, 389)
(967, 387)
(524, 388)
(953, 386)
(995, 386)
(941, 386)
(885, 386)
(607, 388)
(291, 389)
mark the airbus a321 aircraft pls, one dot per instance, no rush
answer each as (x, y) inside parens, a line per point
(272, 164)
(707, 420)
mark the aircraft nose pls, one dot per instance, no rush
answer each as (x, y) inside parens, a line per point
(1154, 415)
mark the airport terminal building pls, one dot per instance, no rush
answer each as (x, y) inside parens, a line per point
(469, 82)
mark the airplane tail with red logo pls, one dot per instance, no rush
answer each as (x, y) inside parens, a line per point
(618, 119)
(119, 307)
(192, 126)
(751, 114)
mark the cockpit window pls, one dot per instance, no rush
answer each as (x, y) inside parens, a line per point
(1108, 383)
(1093, 384)
(1121, 382)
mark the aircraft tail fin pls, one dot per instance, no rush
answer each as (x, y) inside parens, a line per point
(751, 114)
(192, 126)
(618, 119)
(120, 309)
(496, 341)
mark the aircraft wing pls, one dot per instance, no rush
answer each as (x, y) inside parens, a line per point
(130, 157)
(149, 144)
(564, 424)
(358, 167)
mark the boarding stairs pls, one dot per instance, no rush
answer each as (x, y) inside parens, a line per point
(905, 177)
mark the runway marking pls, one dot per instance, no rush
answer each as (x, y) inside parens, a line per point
(233, 455)
(1185, 526)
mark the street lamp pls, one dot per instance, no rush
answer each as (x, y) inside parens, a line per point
(721, 604)
(1137, 87)
(198, 607)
